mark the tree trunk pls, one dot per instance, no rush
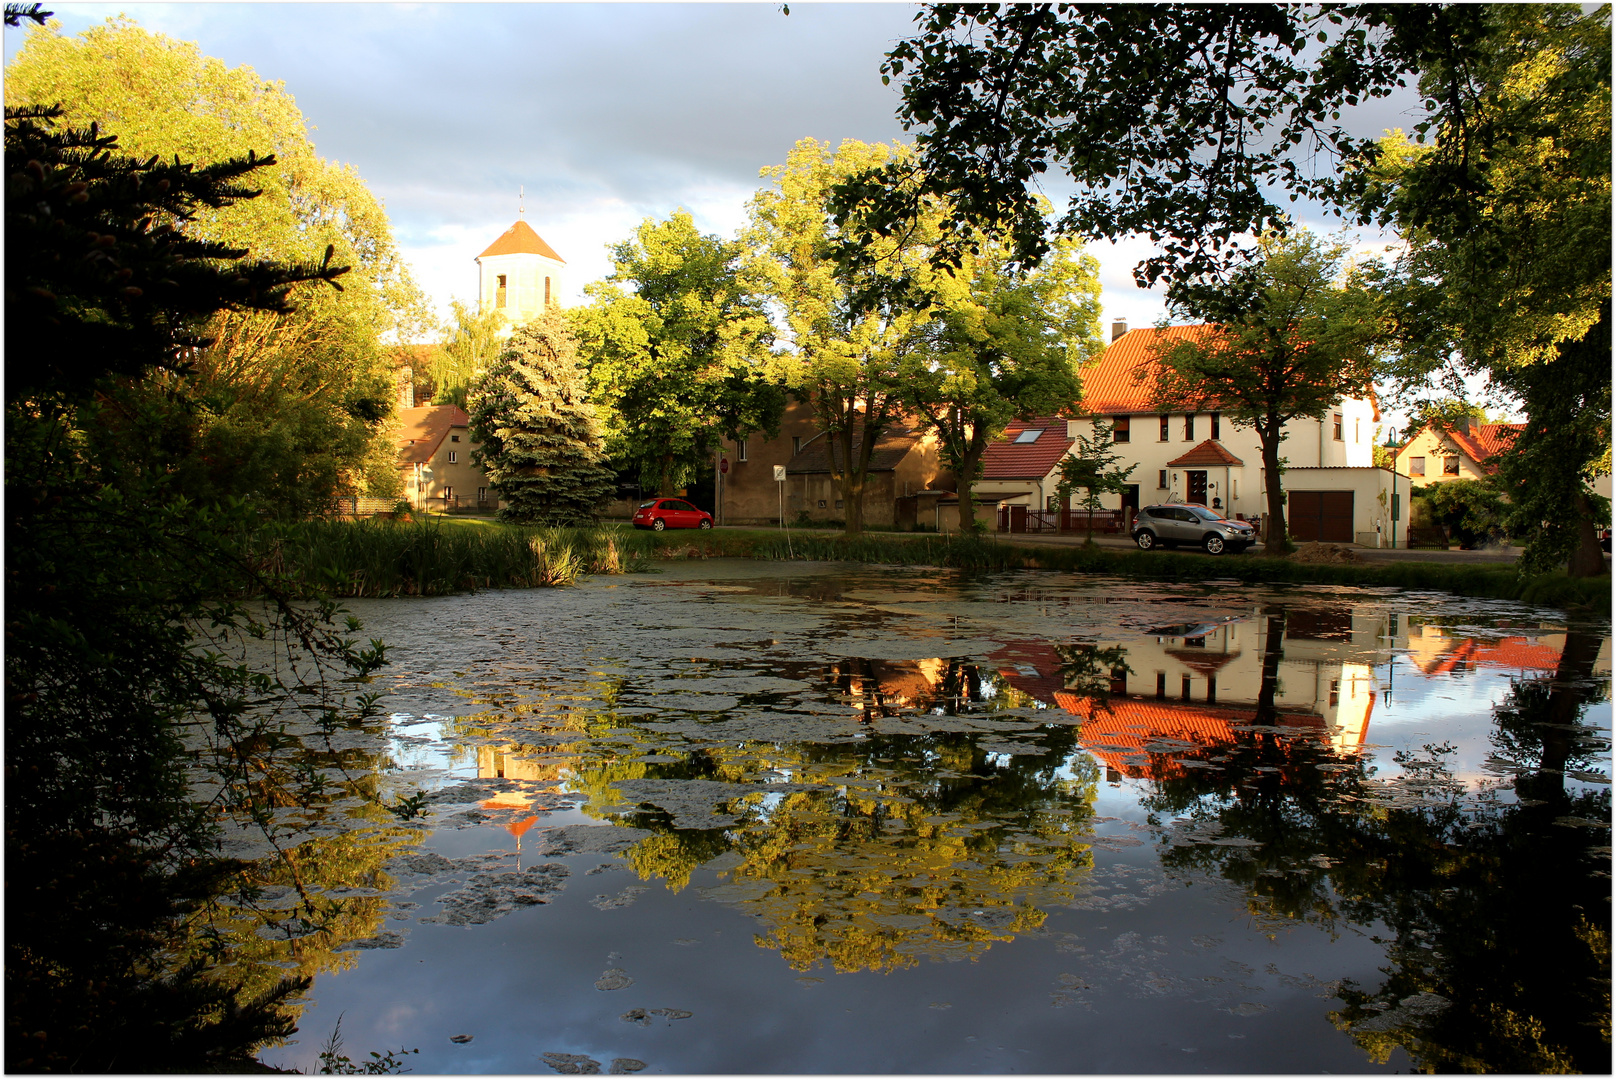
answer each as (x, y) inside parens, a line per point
(1588, 560)
(966, 486)
(1276, 540)
(664, 487)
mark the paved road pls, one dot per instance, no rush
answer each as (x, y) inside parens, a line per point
(1494, 556)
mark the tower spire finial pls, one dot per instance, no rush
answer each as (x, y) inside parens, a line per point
(520, 192)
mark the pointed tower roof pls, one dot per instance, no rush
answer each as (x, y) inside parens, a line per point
(520, 239)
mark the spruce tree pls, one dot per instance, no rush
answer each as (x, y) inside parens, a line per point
(540, 445)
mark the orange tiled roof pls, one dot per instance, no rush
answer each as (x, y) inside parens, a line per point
(1210, 452)
(1514, 653)
(1478, 443)
(1123, 381)
(520, 239)
(424, 429)
(1117, 734)
(1006, 459)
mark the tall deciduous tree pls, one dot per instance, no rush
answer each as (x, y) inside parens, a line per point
(678, 352)
(1507, 272)
(314, 380)
(540, 446)
(1004, 343)
(472, 346)
(852, 335)
(1290, 337)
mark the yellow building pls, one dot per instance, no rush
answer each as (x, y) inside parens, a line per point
(1457, 452)
(435, 448)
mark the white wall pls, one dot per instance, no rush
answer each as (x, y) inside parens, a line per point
(524, 283)
(1307, 443)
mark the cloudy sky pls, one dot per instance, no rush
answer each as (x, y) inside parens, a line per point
(604, 113)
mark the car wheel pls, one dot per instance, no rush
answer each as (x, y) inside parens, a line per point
(706, 523)
(1146, 540)
(658, 525)
(1213, 544)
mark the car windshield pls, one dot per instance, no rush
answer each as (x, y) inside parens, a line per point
(647, 505)
(1205, 514)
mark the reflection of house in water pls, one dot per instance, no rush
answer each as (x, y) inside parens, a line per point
(521, 763)
(1187, 685)
(1436, 651)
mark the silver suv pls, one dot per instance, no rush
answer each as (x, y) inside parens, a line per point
(1187, 523)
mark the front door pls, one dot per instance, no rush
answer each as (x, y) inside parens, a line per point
(1196, 479)
(1130, 505)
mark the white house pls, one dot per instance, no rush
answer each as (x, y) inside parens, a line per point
(1333, 490)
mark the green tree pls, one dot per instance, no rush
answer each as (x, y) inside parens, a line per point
(678, 352)
(1092, 464)
(1472, 511)
(118, 614)
(852, 334)
(540, 446)
(1003, 343)
(312, 381)
(473, 345)
(1290, 338)
(1185, 123)
(1507, 214)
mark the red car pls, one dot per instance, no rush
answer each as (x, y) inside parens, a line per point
(662, 514)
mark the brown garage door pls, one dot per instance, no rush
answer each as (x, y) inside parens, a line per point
(1321, 515)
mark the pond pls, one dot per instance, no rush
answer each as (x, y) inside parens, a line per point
(751, 817)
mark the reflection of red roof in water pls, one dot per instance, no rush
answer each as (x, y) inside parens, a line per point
(1039, 655)
(1117, 733)
(1515, 653)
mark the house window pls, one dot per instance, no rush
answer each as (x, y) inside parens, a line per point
(1416, 466)
(796, 445)
(1189, 427)
(454, 456)
(482, 494)
(1119, 429)
(822, 504)
(1184, 684)
(740, 450)
(454, 438)
(1450, 466)
(1234, 488)
(1212, 688)
(1335, 692)
(1161, 684)
(1164, 420)
(838, 504)
(1030, 435)
(1356, 431)
(1161, 479)
(1337, 421)
(1217, 426)
(546, 292)
(499, 292)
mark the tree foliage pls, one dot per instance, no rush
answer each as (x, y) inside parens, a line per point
(540, 446)
(1093, 465)
(278, 381)
(1002, 343)
(121, 615)
(1507, 272)
(677, 348)
(1291, 339)
(853, 333)
(472, 346)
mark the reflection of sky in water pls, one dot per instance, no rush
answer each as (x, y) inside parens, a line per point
(796, 728)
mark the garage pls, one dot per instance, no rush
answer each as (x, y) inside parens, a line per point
(1321, 515)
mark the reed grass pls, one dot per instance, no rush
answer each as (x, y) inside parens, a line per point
(382, 558)
(440, 556)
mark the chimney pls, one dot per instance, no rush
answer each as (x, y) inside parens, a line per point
(1118, 328)
(406, 387)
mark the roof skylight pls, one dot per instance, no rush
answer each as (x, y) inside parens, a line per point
(1030, 435)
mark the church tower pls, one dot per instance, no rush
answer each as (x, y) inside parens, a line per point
(519, 274)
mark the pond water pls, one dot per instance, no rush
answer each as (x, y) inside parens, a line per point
(749, 817)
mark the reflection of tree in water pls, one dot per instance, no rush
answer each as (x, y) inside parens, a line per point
(1499, 911)
(934, 844)
(292, 912)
